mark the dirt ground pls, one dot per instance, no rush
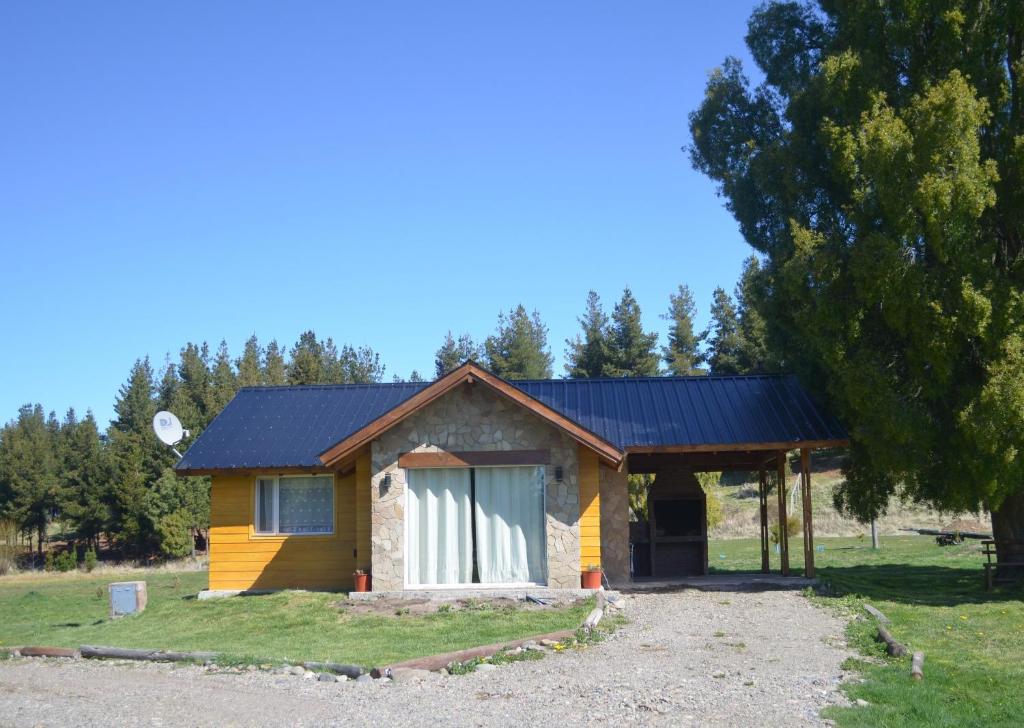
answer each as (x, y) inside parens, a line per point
(686, 658)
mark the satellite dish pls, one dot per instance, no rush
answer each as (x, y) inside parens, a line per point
(168, 428)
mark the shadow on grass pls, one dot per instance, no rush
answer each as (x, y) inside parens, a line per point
(934, 586)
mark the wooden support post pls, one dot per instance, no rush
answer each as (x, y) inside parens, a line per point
(805, 488)
(762, 493)
(783, 517)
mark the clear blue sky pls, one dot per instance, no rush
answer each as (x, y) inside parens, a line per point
(379, 172)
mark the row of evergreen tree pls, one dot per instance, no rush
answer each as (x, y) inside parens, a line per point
(617, 345)
(115, 487)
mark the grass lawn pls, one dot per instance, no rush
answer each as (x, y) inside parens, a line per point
(973, 641)
(68, 610)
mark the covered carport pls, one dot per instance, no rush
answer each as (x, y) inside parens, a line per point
(762, 458)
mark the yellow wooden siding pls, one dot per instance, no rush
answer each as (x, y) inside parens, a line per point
(240, 559)
(590, 509)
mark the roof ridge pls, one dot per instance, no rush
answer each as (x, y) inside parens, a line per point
(350, 385)
(655, 378)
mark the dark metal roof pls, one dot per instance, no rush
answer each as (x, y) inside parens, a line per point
(660, 411)
(269, 427)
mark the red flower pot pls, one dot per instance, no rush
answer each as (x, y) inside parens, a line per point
(362, 582)
(591, 579)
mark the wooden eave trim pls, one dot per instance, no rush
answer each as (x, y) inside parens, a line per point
(470, 373)
(738, 447)
(479, 458)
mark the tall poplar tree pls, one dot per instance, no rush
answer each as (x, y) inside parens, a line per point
(878, 170)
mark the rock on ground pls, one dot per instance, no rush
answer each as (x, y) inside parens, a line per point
(686, 658)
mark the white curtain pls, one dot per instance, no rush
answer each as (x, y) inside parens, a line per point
(439, 548)
(510, 525)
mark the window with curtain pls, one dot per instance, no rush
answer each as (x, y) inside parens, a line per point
(475, 525)
(302, 505)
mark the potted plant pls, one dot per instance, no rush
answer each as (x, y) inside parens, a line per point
(362, 580)
(592, 576)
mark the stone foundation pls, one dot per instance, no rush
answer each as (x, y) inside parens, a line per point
(473, 418)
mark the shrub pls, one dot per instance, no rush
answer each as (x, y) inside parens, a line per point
(175, 534)
(90, 559)
(65, 561)
(793, 526)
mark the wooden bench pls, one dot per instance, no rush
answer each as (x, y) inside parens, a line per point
(988, 548)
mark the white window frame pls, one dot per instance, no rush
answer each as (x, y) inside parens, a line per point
(277, 509)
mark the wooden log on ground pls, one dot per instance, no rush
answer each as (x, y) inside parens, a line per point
(877, 614)
(436, 662)
(118, 653)
(48, 652)
(917, 666)
(351, 671)
(893, 647)
(593, 618)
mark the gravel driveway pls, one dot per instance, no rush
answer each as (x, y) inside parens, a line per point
(686, 658)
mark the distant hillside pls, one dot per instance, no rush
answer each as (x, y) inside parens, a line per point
(738, 495)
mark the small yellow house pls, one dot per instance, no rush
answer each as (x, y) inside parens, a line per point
(472, 480)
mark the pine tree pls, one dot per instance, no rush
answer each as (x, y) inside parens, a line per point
(275, 373)
(453, 353)
(755, 356)
(682, 355)
(305, 365)
(167, 391)
(193, 399)
(134, 405)
(632, 351)
(137, 457)
(415, 376)
(723, 335)
(332, 368)
(28, 471)
(360, 366)
(589, 354)
(519, 348)
(85, 474)
(223, 383)
(250, 364)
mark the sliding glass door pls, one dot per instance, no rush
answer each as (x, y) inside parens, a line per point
(475, 525)
(439, 537)
(509, 515)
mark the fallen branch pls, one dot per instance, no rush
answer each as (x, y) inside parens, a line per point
(894, 648)
(117, 653)
(436, 662)
(351, 671)
(877, 614)
(917, 666)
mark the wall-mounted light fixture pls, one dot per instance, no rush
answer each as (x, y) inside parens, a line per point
(558, 473)
(385, 483)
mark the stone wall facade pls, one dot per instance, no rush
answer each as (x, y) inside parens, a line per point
(473, 418)
(614, 487)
